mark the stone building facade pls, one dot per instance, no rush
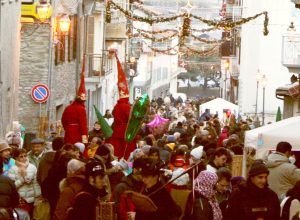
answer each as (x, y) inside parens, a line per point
(35, 68)
(9, 63)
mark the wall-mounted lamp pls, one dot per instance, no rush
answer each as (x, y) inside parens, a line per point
(44, 11)
(64, 24)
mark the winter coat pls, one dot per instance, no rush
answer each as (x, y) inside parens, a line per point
(69, 187)
(9, 196)
(283, 175)
(44, 166)
(126, 183)
(7, 165)
(28, 187)
(84, 205)
(199, 210)
(249, 202)
(74, 121)
(289, 208)
(167, 208)
(35, 160)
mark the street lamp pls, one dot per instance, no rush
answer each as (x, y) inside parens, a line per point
(257, 78)
(263, 82)
(44, 11)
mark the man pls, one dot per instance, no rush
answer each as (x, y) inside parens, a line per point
(37, 151)
(132, 182)
(5, 155)
(219, 159)
(167, 208)
(283, 174)
(222, 187)
(86, 201)
(74, 118)
(254, 199)
(96, 131)
(121, 114)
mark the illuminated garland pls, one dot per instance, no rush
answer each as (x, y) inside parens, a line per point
(203, 52)
(211, 41)
(150, 21)
(154, 39)
(227, 25)
(185, 32)
(155, 32)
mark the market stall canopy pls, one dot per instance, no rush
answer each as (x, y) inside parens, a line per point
(219, 105)
(265, 138)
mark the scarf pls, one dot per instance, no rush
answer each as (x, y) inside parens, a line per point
(204, 185)
(22, 167)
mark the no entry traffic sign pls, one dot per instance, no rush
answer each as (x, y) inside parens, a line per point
(40, 93)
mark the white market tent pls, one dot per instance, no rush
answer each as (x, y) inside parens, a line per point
(265, 138)
(217, 106)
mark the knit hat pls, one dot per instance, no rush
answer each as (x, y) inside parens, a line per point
(258, 167)
(197, 152)
(80, 146)
(122, 82)
(74, 166)
(171, 139)
(4, 146)
(103, 150)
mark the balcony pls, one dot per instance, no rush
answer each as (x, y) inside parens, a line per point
(291, 52)
(98, 65)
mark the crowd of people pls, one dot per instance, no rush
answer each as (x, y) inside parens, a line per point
(180, 170)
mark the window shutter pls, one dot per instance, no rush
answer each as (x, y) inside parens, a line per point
(90, 34)
(75, 38)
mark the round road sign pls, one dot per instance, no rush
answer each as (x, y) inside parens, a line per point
(40, 93)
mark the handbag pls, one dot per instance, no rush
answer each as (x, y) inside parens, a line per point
(24, 205)
(41, 209)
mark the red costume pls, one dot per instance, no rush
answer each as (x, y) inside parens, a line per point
(74, 121)
(121, 113)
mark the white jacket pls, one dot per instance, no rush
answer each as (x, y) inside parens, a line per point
(27, 186)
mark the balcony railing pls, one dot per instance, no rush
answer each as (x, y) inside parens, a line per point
(99, 64)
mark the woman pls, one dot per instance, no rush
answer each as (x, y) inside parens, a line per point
(23, 174)
(254, 199)
(291, 204)
(205, 206)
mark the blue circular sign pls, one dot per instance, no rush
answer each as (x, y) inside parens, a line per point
(40, 93)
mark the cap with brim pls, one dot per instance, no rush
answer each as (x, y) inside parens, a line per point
(4, 146)
(38, 141)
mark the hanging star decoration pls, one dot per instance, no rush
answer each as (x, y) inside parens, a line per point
(188, 8)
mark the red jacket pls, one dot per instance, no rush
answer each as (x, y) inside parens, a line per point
(74, 121)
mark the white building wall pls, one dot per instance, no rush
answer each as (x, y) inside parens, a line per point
(263, 53)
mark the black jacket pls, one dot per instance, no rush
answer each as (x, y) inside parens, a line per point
(167, 208)
(249, 202)
(9, 197)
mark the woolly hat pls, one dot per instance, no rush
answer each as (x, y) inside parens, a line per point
(171, 139)
(122, 82)
(257, 168)
(197, 152)
(80, 146)
(4, 146)
(103, 150)
(74, 166)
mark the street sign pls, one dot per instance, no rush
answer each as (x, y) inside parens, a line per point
(40, 93)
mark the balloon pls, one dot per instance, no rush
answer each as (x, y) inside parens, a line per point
(139, 109)
(157, 121)
(106, 129)
(158, 125)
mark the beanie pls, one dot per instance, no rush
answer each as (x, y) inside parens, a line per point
(197, 152)
(171, 139)
(103, 150)
(74, 166)
(80, 146)
(258, 167)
